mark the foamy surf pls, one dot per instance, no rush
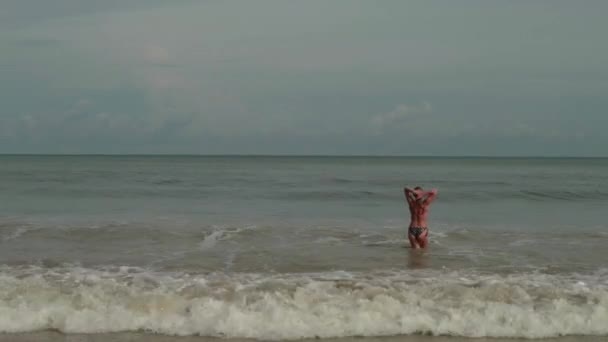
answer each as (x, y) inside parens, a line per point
(294, 306)
(219, 233)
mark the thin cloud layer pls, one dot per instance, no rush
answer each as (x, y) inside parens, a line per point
(316, 77)
(398, 117)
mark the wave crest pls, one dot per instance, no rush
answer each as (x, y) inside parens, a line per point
(273, 307)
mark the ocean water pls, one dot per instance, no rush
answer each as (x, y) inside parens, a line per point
(284, 248)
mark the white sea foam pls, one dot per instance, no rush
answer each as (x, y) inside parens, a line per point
(389, 242)
(14, 234)
(211, 239)
(273, 307)
(220, 233)
(329, 240)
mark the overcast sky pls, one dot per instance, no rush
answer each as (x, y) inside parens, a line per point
(304, 77)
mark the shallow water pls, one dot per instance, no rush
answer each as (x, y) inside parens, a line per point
(299, 247)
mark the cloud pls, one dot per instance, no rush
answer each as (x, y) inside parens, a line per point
(161, 79)
(203, 76)
(398, 116)
(156, 54)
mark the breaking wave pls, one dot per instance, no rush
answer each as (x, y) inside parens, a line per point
(294, 306)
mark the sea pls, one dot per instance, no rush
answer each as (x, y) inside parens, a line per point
(274, 248)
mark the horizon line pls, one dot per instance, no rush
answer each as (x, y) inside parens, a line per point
(300, 155)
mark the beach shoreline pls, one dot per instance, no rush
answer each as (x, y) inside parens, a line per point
(53, 336)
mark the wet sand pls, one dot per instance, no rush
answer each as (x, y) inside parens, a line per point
(142, 337)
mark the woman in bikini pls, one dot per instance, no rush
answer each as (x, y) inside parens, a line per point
(419, 202)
